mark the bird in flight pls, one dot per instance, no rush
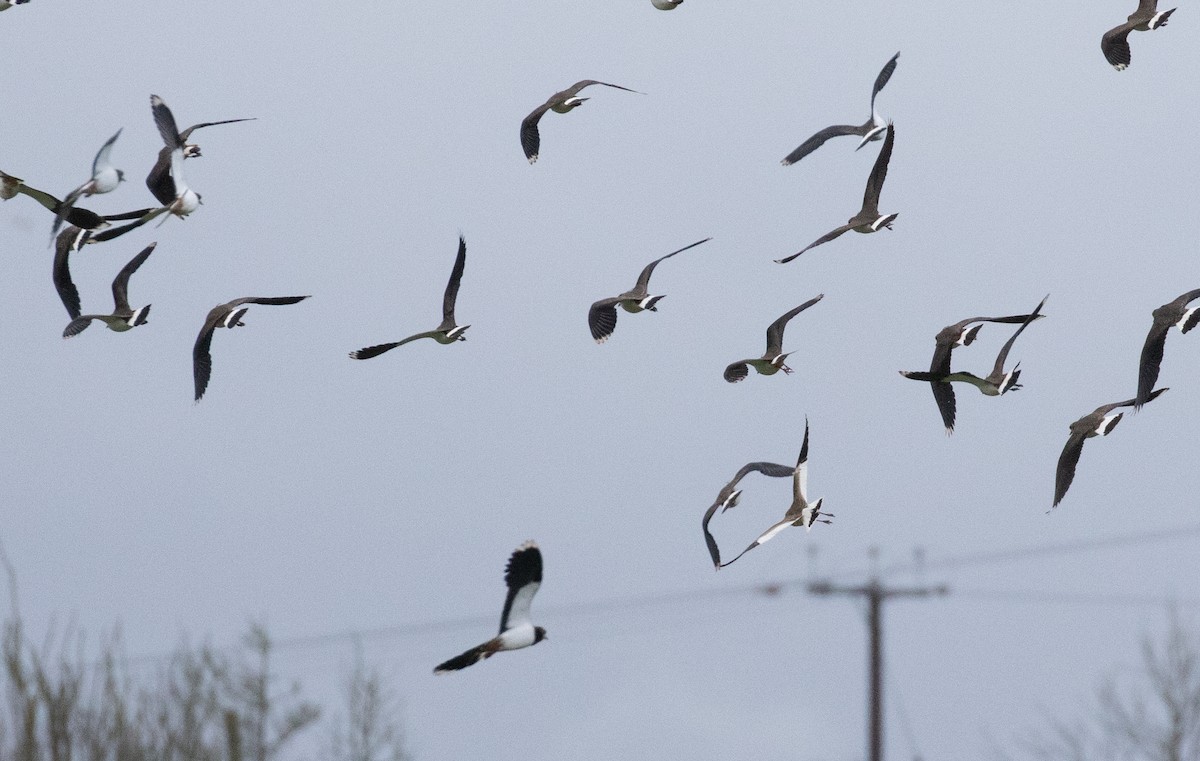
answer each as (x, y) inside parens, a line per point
(523, 576)
(871, 129)
(868, 219)
(1177, 314)
(446, 333)
(961, 333)
(122, 318)
(998, 382)
(1096, 423)
(1115, 42)
(602, 317)
(801, 512)
(730, 495)
(772, 359)
(105, 179)
(159, 180)
(559, 103)
(228, 315)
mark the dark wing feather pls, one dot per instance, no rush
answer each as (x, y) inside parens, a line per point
(879, 173)
(738, 371)
(78, 325)
(523, 575)
(159, 181)
(775, 329)
(1066, 466)
(451, 295)
(884, 75)
(1002, 357)
(375, 351)
(531, 141)
(602, 319)
(1151, 361)
(713, 550)
(1115, 45)
(165, 121)
(116, 232)
(188, 132)
(575, 88)
(120, 284)
(643, 281)
(201, 352)
(943, 394)
(823, 239)
(68, 240)
(817, 140)
(469, 658)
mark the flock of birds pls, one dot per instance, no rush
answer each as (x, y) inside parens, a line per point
(523, 573)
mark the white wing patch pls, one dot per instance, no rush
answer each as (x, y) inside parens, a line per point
(518, 614)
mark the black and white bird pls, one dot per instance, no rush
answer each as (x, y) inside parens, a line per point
(523, 575)
(999, 381)
(122, 318)
(1096, 423)
(105, 179)
(602, 317)
(772, 361)
(871, 129)
(11, 186)
(730, 495)
(802, 512)
(1176, 314)
(868, 219)
(961, 333)
(5, 4)
(171, 188)
(159, 180)
(662, 5)
(446, 333)
(228, 315)
(1115, 42)
(559, 103)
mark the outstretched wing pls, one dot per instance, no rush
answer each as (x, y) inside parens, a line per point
(817, 140)
(1067, 461)
(884, 75)
(469, 658)
(643, 281)
(763, 538)
(120, 284)
(165, 121)
(376, 350)
(775, 329)
(879, 173)
(523, 575)
(188, 132)
(1002, 357)
(602, 319)
(738, 371)
(202, 355)
(103, 158)
(837, 232)
(451, 295)
(68, 240)
(531, 141)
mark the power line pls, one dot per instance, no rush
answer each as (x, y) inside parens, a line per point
(772, 588)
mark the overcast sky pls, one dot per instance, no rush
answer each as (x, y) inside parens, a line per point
(321, 495)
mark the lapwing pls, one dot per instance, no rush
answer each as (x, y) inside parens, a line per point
(446, 333)
(122, 318)
(961, 333)
(10, 186)
(1096, 423)
(802, 512)
(228, 315)
(105, 179)
(1115, 42)
(772, 361)
(730, 495)
(559, 103)
(159, 180)
(871, 129)
(868, 219)
(998, 382)
(602, 317)
(1177, 314)
(523, 575)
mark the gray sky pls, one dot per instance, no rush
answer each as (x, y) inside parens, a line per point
(323, 495)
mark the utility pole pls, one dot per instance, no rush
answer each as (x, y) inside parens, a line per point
(876, 594)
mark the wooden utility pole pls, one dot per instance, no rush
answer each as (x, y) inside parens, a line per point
(875, 593)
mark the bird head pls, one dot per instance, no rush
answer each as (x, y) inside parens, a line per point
(191, 151)
(539, 634)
